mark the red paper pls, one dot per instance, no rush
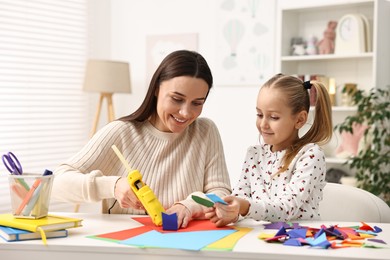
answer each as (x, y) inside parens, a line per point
(366, 227)
(125, 234)
(194, 225)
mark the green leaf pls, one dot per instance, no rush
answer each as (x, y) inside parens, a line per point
(371, 165)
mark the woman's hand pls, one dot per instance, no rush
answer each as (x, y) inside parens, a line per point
(222, 215)
(184, 215)
(125, 196)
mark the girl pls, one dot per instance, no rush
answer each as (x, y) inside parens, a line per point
(283, 178)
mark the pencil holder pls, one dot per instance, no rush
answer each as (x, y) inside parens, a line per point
(30, 195)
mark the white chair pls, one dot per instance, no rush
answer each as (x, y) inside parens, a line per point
(348, 203)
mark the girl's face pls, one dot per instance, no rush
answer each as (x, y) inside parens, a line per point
(275, 121)
(179, 102)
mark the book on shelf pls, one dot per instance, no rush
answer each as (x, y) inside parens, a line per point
(10, 234)
(41, 225)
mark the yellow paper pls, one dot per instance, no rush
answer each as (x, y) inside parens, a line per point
(265, 235)
(227, 243)
(363, 235)
(352, 243)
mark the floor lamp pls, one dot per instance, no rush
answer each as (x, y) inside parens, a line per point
(106, 77)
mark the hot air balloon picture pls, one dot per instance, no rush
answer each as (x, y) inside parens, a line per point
(260, 63)
(159, 46)
(253, 7)
(245, 41)
(233, 32)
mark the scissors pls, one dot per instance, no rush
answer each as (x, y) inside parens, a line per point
(12, 163)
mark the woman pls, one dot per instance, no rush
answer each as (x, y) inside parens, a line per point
(177, 152)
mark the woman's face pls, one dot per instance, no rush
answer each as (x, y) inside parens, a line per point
(179, 102)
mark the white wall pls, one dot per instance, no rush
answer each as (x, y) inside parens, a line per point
(231, 107)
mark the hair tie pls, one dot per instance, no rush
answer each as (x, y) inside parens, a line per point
(307, 84)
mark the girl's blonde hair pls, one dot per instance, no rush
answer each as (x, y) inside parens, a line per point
(298, 99)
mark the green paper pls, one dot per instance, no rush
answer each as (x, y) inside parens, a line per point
(202, 201)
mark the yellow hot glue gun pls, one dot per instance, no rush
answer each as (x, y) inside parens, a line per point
(146, 196)
(142, 191)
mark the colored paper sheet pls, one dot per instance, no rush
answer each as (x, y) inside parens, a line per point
(215, 198)
(372, 246)
(208, 200)
(352, 243)
(195, 240)
(375, 243)
(265, 235)
(194, 225)
(202, 201)
(319, 241)
(367, 232)
(365, 227)
(297, 233)
(292, 242)
(377, 229)
(336, 245)
(169, 221)
(363, 236)
(324, 244)
(278, 225)
(280, 238)
(281, 231)
(123, 234)
(376, 240)
(227, 243)
(347, 232)
(334, 233)
(326, 237)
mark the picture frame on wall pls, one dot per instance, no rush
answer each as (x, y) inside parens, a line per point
(245, 42)
(159, 46)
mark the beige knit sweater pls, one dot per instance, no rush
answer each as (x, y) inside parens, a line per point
(173, 165)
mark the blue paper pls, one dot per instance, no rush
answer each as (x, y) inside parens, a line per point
(278, 225)
(331, 231)
(292, 242)
(215, 198)
(169, 221)
(180, 240)
(320, 233)
(297, 233)
(377, 229)
(319, 241)
(281, 231)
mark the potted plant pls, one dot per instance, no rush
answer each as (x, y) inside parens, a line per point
(372, 163)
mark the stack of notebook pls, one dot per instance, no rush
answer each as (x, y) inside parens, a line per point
(16, 229)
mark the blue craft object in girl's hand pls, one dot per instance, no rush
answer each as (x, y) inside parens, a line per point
(215, 198)
(209, 202)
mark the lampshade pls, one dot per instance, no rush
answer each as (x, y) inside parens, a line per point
(107, 76)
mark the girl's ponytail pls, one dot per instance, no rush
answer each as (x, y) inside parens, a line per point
(321, 130)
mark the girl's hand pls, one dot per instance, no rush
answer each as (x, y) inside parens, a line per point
(125, 196)
(222, 215)
(211, 214)
(183, 214)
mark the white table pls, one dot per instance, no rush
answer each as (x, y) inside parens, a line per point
(78, 246)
